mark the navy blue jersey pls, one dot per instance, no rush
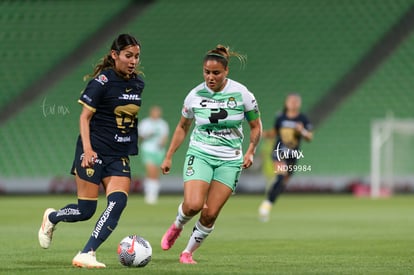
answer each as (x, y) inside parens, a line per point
(115, 102)
(287, 135)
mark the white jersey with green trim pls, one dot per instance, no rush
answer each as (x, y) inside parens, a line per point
(152, 133)
(218, 116)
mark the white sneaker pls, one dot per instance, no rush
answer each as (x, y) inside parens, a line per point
(46, 229)
(264, 211)
(87, 260)
(151, 200)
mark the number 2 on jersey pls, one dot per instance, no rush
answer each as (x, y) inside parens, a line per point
(217, 114)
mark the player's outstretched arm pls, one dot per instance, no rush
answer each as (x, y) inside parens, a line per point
(179, 135)
(255, 135)
(306, 134)
(84, 121)
(269, 134)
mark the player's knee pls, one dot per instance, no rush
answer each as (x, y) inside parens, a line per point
(87, 209)
(192, 208)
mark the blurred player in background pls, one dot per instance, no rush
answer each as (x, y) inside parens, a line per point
(153, 132)
(289, 129)
(108, 135)
(214, 158)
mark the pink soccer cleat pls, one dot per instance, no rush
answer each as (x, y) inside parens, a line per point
(170, 237)
(187, 258)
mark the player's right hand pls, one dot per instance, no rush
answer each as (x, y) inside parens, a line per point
(89, 158)
(299, 127)
(165, 166)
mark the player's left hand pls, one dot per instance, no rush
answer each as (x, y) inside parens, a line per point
(166, 166)
(247, 160)
(299, 127)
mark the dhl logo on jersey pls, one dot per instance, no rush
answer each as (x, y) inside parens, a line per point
(130, 97)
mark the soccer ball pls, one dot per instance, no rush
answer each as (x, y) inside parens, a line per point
(134, 251)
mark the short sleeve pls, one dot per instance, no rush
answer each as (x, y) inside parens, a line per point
(251, 109)
(187, 110)
(93, 92)
(165, 128)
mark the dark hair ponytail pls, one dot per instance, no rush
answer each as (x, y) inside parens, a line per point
(121, 42)
(222, 54)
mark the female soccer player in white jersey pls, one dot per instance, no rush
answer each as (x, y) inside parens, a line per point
(153, 132)
(214, 158)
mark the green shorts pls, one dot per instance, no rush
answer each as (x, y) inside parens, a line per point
(207, 169)
(149, 157)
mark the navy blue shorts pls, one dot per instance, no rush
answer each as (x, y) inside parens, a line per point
(287, 165)
(104, 166)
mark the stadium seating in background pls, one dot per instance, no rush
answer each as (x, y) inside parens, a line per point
(36, 35)
(342, 143)
(302, 46)
(296, 46)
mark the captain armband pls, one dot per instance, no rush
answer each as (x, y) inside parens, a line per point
(252, 115)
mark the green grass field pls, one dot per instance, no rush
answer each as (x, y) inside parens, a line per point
(306, 235)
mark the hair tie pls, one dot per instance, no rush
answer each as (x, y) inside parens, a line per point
(216, 54)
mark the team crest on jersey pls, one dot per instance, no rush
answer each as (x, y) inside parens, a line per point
(190, 171)
(232, 103)
(102, 79)
(90, 172)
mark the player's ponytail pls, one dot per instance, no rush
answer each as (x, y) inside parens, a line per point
(222, 54)
(107, 62)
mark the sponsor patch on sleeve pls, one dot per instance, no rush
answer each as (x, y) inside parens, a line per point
(102, 79)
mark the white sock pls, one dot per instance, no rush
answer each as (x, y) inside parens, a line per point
(151, 190)
(181, 219)
(200, 233)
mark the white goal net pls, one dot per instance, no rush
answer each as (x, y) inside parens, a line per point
(392, 154)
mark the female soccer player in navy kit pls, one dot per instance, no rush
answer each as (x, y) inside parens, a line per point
(214, 160)
(290, 127)
(108, 135)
